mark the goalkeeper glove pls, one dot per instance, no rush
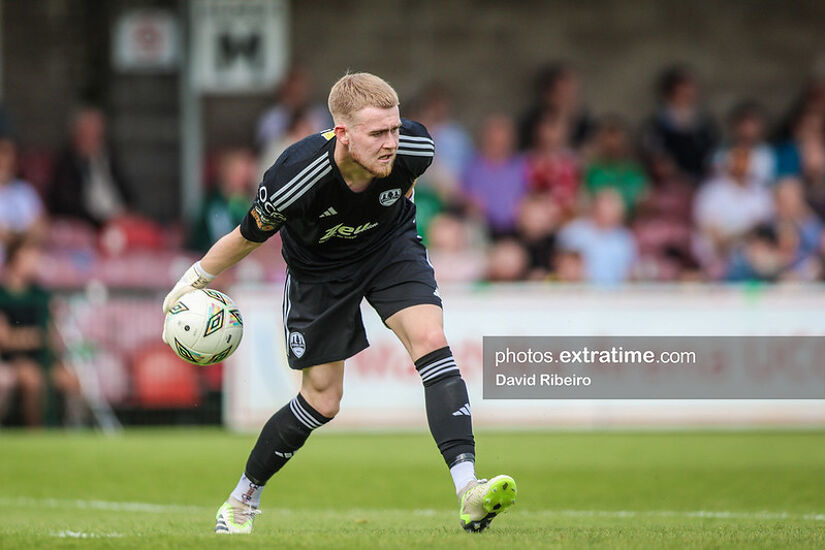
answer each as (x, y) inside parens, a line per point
(194, 278)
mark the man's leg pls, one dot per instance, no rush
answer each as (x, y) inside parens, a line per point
(420, 328)
(8, 381)
(66, 383)
(31, 384)
(284, 433)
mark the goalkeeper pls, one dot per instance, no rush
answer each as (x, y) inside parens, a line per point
(342, 202)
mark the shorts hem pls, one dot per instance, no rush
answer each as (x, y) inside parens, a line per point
(298, 364)
(424, 301)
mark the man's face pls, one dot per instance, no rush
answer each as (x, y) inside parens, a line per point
(371, 139)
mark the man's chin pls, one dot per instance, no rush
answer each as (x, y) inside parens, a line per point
(382, 170)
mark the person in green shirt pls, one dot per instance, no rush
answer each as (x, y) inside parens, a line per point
(614, 165)
(227, 203)
(28, 338)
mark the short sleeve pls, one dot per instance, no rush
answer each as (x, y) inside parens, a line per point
(416, 147)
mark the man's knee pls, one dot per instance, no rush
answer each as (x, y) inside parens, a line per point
(8, 380)
(323, 387)
(327, 401)
(426, 340)
(29, 376)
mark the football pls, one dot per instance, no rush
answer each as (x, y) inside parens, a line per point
(204, 327)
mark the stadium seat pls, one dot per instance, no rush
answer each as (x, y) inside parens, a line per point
(162, 380)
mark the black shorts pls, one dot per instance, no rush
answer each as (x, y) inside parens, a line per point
(322, 320)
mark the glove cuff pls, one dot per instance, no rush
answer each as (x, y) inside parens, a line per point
(197, 277)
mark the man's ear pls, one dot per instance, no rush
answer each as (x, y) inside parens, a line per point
(341, 134)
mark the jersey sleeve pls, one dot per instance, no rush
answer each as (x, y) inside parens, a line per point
(264, 217)
(416, 148)
(261, 223)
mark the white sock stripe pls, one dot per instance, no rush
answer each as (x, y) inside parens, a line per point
(427, 146)
(425, 375)
(434, 374)
(306, 412)
(300, 176)
(414, 138)
(308, 417)
(438, 363)
(428, 372)
(298, 416)
(305, 419)
(304, 186)
(416, 153)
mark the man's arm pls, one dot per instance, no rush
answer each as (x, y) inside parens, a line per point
(226, 252)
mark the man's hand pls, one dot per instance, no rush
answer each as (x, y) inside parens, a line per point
(194, 278)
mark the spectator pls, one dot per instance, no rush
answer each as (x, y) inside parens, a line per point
(552, 167)
(439, 189)
(663, 223)
(508, 261)
(298, 128)
(87, 183)
(227, 202)
(454, 146)
(21, 211)
(747, 133)
(568, 266)
(727, 207)
(758, 257)
(27, 340)
(558, 90)
(455, 249)
(802, 153)
(680, 127)
(496, 180)
(606, 247)
(794, 215)
(614, 166)
(538, 220)
(293, 95)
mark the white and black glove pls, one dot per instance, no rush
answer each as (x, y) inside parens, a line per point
(194, 278)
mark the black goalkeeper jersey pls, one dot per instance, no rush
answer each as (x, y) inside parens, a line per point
(326, 227)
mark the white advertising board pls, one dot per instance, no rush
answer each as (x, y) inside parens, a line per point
(382, 390)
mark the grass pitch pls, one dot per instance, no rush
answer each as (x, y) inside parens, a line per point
(161, 488)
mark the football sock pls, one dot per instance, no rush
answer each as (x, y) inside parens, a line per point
(248, 492)
(448, 406)
(281, 437)
(463, 473)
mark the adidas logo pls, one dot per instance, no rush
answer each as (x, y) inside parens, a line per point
(328, 212)
(463, 411)
(284, 455)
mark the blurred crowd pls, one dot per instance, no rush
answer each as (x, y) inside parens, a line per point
(556, 193)
(559, 194)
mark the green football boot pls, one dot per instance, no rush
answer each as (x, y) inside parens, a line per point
(482, 500)
(234, 517)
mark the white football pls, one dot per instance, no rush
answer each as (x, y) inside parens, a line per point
(204, 327)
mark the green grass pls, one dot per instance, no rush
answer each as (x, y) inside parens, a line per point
(611, 490)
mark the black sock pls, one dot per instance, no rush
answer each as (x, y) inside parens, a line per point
(448, 406)
(281, 437)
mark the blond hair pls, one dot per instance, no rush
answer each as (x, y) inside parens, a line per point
(355, 91)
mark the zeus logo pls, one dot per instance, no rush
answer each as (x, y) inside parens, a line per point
(346, 231)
